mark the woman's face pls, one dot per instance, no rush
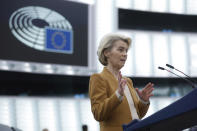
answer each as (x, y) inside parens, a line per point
(117, 56)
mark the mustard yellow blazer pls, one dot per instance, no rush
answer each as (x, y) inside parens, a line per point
(105, 105)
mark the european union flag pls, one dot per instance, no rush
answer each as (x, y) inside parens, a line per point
(58, 40)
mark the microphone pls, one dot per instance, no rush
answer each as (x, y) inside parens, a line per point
(172, 67)
(191, 83)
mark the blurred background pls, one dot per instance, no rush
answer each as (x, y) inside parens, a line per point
(48, 52)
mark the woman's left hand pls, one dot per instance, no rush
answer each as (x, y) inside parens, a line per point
(146, 92)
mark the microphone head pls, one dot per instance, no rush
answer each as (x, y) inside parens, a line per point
(161, 68)
(172, 67)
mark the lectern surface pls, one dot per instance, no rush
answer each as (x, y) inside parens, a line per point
(179, 115)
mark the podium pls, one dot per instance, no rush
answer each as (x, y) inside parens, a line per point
(181, 114)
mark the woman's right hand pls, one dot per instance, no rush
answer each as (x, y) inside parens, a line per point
(121, 84)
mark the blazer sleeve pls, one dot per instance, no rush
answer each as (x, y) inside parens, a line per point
(142, 108)
(101, 104)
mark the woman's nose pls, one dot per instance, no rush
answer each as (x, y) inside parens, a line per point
(125, 53)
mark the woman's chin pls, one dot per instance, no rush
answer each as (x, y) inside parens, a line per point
(121, 66)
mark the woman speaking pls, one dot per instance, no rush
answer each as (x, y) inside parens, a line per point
(114, 100)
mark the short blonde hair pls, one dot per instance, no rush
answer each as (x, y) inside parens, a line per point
(107, 43)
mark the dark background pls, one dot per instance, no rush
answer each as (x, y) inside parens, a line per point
(155, 21)
(75, 13)
(28, 84)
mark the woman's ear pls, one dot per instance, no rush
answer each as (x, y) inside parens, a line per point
(106, 53)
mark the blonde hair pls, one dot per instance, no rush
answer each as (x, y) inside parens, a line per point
(107, 42)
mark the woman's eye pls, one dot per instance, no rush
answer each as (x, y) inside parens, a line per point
(120, 50)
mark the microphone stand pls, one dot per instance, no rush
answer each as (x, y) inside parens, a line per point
(191, 83)
(172, 67)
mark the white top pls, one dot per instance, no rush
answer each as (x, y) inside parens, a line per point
(130, 102)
